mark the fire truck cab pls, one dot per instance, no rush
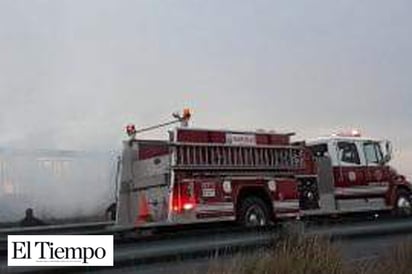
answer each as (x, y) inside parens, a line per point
(354, 175)
(254, 178)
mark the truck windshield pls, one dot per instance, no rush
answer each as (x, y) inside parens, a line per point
(373, 153)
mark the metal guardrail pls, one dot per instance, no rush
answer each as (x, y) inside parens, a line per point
(80, 228)
(224, 242)
(36, 229)
(367, 229)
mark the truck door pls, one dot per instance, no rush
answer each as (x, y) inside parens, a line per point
(349, 173)
(357, 188)
(376, 174)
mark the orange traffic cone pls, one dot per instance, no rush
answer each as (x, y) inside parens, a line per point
(143, 210)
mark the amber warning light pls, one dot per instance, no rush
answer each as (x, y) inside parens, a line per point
(186, 114)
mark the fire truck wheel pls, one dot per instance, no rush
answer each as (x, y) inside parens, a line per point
(403, 204)
(253, 212)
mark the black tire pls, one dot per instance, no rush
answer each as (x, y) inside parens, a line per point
(253, 212)
(403, 203)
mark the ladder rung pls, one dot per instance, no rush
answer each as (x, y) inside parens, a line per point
(227, 156)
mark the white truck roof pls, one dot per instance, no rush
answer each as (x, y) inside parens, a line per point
(327, 139)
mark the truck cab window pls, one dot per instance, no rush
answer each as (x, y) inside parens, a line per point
(348, 153)
(373, 152)
(320, 150)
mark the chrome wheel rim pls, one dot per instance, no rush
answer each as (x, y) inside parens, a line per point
(255, 216)
(404, 206)
(403, 203)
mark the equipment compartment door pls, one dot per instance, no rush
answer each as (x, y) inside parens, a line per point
(326, 184)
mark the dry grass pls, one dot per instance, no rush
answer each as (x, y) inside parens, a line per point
(397, 260)
(312, 255)
(294, 255)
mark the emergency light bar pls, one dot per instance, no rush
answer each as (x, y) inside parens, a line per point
(351, 133)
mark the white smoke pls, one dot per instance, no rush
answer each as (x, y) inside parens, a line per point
(56, 184)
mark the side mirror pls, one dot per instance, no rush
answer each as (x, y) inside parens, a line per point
(386, 159)
(387, 151)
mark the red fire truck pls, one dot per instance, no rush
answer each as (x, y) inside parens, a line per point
(254, 178)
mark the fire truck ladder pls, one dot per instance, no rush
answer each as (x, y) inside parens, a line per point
(221, 156)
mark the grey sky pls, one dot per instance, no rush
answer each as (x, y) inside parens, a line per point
(73, 73)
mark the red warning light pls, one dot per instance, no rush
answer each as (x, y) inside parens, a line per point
(130, 129)
(188, 206)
